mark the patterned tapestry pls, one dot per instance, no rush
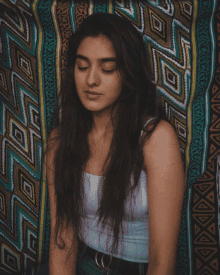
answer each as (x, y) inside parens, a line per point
(183, 40)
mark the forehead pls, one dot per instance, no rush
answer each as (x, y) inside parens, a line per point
(96, 48)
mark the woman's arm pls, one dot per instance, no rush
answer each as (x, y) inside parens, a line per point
(165, 189)
(58, 263)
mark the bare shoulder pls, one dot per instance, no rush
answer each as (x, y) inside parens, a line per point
(163, 143)
(164, 130)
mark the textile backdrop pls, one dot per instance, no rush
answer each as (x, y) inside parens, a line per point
(183, 40)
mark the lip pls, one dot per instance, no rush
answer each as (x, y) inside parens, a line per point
(92, 93)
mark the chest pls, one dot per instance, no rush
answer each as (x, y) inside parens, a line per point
(99, 150)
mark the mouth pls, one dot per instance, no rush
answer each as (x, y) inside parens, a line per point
(92, 93)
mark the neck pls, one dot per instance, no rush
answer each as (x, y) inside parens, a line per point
(102, 124)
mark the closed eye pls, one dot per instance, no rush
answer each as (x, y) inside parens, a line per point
(83, 68)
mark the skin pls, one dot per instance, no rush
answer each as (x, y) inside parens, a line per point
(93, 78)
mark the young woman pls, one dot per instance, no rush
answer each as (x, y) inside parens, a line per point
(114, 168)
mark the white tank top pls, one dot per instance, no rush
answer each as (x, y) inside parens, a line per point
(136, 231)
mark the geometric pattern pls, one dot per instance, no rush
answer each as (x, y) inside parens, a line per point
(183, 42)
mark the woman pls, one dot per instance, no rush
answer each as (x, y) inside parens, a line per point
(114, 168)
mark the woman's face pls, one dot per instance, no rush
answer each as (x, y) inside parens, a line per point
(91, 73)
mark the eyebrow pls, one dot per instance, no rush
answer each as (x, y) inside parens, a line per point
(106, 59)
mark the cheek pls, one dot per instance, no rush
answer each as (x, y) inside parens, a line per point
(113, 80)
(117, 85)
(109, 80)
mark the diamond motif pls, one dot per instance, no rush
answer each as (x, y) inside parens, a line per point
(18, 134)
(158, 25)
(24, 64)
(187, 8)
(27, 187)
(10, 260)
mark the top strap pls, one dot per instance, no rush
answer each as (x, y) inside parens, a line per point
(149, 120)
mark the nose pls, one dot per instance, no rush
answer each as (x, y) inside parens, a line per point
(92, 77)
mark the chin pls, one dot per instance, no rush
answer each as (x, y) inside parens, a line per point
(93, 109)
(96, 110)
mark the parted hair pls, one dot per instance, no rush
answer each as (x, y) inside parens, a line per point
(73, 122)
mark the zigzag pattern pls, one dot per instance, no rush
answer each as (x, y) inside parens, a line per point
(205, 211)
(33, 44)
(20, 138)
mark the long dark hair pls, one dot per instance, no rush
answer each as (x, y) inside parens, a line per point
(138, 100)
